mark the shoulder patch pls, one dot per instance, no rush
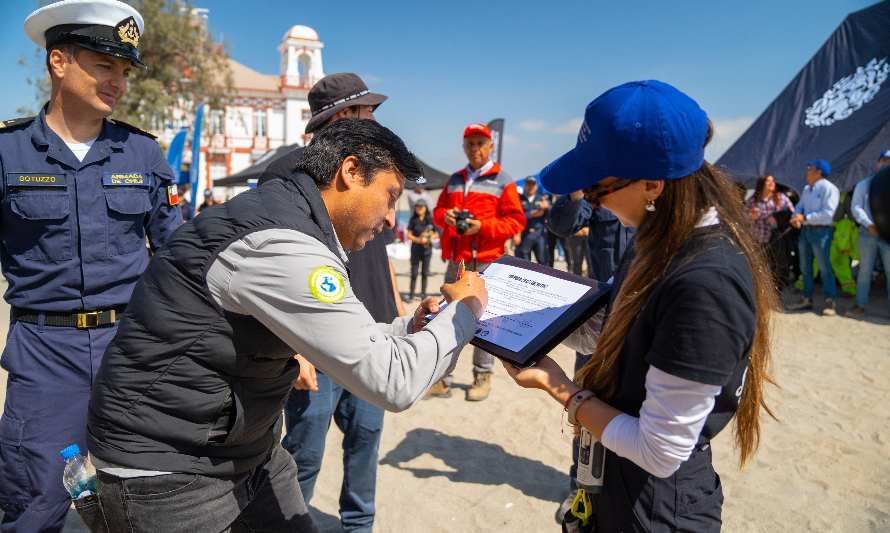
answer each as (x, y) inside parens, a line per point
(327, 285)
(132, 128)
(13, 122)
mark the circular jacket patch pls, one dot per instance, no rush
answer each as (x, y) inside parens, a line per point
(327, 285)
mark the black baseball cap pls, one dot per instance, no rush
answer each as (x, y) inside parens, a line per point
(335, 92)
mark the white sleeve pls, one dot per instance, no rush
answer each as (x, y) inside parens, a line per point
(671, 419)
(859, 203)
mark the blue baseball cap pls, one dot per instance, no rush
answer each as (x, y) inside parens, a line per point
(638, 130)
(885, 154)
(820, 164)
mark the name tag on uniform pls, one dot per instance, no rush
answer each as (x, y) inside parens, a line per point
(34, 179)
(116, 179)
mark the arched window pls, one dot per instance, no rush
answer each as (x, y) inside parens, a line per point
(304, 64)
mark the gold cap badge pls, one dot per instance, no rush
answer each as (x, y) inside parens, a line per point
(128, 32)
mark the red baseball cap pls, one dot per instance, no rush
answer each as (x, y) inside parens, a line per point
(477, 129)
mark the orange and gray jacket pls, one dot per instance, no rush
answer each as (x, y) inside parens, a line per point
(494, 200)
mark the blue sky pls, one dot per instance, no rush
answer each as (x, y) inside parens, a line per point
(536, 64)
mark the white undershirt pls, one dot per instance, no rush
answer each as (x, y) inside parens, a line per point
(80, 150)
(472, 175)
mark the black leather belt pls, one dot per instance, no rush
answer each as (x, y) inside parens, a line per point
(69, 319)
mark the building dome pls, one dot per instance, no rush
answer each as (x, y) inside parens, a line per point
(301, 32)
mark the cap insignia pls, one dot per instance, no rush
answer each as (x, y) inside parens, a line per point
(128, 31)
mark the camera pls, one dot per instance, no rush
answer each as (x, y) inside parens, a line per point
(462, 221)
(591, 463)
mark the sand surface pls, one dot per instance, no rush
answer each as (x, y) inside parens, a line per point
(501, 465)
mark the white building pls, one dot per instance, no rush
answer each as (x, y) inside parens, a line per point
(264, 112)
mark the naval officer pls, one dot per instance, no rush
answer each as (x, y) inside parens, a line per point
(79, 195)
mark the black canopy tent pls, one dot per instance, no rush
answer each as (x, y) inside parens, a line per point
(837, 108)
(254, 171)
(435, 179)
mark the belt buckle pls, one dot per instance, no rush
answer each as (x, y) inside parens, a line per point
(88, 320)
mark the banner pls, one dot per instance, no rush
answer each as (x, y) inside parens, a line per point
(174, 154)
(837, 108)
(195, 168)
(497, 138)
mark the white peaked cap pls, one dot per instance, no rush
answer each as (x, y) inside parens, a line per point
(92, 12)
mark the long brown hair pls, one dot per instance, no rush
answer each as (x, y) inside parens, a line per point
(761, 184)
(679, 208)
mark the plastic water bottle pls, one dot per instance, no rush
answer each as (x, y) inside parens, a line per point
(79, 476)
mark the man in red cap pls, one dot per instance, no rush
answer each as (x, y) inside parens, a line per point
(478, 210)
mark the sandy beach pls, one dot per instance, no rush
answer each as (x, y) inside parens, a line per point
(501, 465)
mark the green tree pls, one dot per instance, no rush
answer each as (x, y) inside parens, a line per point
(185, 66)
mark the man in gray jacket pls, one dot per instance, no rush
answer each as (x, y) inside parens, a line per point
(185, 416)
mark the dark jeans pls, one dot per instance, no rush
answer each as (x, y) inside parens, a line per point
(308, 417)
(266, 499)
(420, 261)
(553, 242)
(533, 240)
(576, 254)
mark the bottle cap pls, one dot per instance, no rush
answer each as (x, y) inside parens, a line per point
(70, 451)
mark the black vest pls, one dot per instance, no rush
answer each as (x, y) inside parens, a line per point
(186, 386)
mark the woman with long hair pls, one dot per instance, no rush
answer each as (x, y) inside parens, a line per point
(762, 207)
(685, 346)
(421, 233)
(766, 201)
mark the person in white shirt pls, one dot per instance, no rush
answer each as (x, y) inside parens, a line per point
(871, 246)
(813, 216)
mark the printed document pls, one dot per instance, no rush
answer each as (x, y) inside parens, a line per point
(522, 304)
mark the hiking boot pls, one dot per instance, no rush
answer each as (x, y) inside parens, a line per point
(481, 388)
(439, 390)
(802, 305)
(830, 308)
(856, 311)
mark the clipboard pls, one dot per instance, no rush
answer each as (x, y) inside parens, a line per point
(596, 297)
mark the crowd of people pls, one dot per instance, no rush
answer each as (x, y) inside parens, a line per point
(825, 235)
(179, 365)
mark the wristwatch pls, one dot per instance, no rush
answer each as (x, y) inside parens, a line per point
(575, 402)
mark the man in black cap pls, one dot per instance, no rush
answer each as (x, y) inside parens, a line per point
(334, 97)
(78, 197)
(316, 398)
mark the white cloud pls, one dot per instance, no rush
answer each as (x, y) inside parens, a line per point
(570, 126)
(533, 125)
(510, 140)
(726, 131)
(538, 125)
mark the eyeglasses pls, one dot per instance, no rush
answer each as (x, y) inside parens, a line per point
(594, 195)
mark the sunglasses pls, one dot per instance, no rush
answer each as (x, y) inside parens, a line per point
(594, 195)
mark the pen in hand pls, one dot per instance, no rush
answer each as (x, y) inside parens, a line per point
(461, 268)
